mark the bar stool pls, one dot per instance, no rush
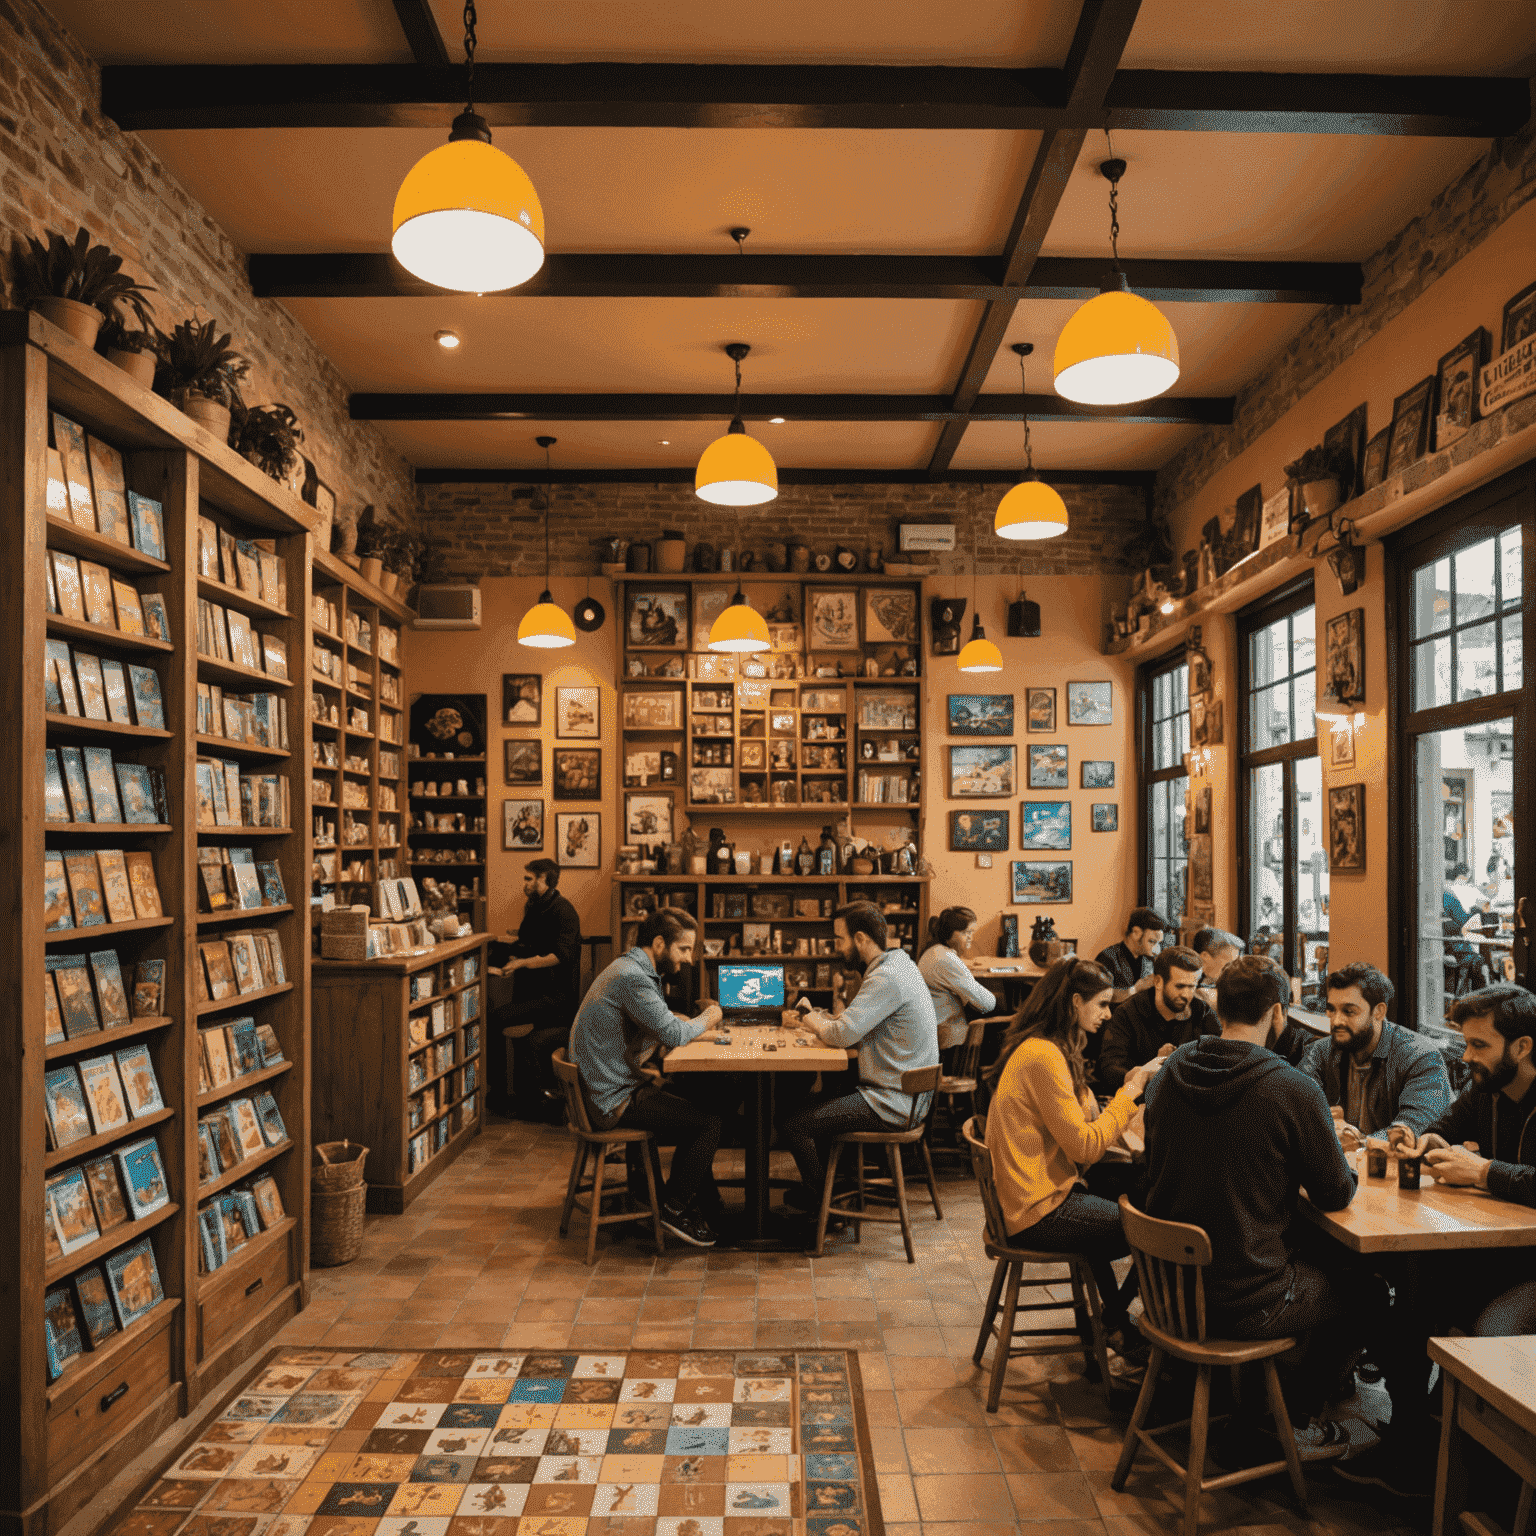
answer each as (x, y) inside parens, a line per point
(1170, 1256)
(962, 1081)
(595, 1144)
(1008, 1280)
(913, 1084)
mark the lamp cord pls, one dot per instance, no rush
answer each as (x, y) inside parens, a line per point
(736, 413)
(549, 482)
(1029, 454)
(470, 19)
(1114, 206)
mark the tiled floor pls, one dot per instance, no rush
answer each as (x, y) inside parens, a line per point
(476, 1262)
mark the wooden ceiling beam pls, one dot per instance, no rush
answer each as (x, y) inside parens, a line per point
(421, 32)
(1138, 479)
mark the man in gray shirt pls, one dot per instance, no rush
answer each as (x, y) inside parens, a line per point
(892, 1023)
(622, 1021)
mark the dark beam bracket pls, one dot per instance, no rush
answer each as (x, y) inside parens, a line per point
(420, 28)
(1136, 479)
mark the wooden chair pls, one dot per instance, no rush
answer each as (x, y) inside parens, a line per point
(892, 1188)
(596, 1145)
(961, 1081)
(1008, 1279)
(1169, 1259)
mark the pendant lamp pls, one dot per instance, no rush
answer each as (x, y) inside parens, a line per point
(1118, 348)
(1032, 509)
(740, 627)
(980, 654)
(546, 626)
(466, 215)
(736, 470)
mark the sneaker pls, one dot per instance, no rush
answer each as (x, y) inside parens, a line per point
(688, 1227)
(1321, 1440)
(1384, 1466)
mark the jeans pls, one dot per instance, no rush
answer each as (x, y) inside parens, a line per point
(809, 1133)
(1512, 1313)
(1088, 1225)
(695, 1133)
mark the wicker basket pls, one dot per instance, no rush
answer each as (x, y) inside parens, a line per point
(337, 1199)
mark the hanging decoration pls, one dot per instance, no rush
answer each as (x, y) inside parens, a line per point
(547, 626)
(1032, 509)
(736, 470)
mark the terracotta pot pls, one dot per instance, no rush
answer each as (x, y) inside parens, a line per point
(388, 582)
(1320, 497)
(139, 366)
(671, 548)
(206, 413)
(372, 568)
(82, 321)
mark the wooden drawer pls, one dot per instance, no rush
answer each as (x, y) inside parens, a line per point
(231, 1297)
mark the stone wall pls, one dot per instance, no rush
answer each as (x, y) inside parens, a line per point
(62, 164)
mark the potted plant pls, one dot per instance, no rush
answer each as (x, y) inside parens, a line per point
(1320, 472)
(136, 352)
(269, 436)
(372, 540)
(74, 284)
(200, 373)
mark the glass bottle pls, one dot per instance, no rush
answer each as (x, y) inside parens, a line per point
(805, 859)
(826, 855)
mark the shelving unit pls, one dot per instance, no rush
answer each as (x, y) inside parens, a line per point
(446, 829)
(71, 1434)
(373, 1028)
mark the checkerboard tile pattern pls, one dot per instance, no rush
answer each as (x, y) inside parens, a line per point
(542, 1443)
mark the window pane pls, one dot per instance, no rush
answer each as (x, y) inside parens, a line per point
(1474, 582)
(1304, 641)
(1310, 961)
(1432, 673)
(1306, 705)
(1431, 598)
(1181, 745)
(1160, 696)
(1167, 855)
(1513, 629)
(1511, 575)
(1269, 717)
(1269, 654)
(1266, 860)
(1162, 744)
(1475, 662)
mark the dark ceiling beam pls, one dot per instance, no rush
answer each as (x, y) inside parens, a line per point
(1138, 479)
(420, 28)
(1165, 410)
(376, 274)
(178, 96)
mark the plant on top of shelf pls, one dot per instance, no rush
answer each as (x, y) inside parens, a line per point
(269, 436)
(75, 284)
(201, 373)
(401, 553)
(136, 352)
(372, 541)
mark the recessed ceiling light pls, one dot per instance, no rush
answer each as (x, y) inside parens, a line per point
(664, 442)
(776, 421)
(447, 339)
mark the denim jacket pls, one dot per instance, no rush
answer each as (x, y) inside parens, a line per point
(1405, 1082)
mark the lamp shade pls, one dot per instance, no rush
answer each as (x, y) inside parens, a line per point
(467, 217)
(1117, 348)
(980, 655)
(1031, 510)
(740, 628)
(546, 625)
(736, 471)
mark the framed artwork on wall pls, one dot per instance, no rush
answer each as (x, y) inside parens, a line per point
(659, 711)
(1106, 818)
(1090, 704)
(1047, 766)
(978, 831)
(522, 698)
(1037, 881)
(1456, 387)
(1410, 427)
(1346, 828)
(890, 616)
(578, 713)
(708, 604)
(522, 826)
(1046, 825)
(647, 818)
(656, 619)
(981, 773)
(578, 839)
(1344, 658)
(522, 762)
(980, 714)
(577, 772)
(1097, 773)
(1040, 709)
(834, 619)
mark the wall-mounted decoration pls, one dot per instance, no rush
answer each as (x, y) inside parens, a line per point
(978, 831)
(522, 698)
(944, 615)
(980, 714)
(1023, 619)
(577, 773)
(1346, 828)
(1040, 709)
(1456, 376)
(1375, 467)
(1090, 704)
(647, 818)
(449, 722)
(588, 615)
(1247, 517)
(1512, 374)
(578, 713)
(834, 619)
(978, 773)
(659, 711)
(1347, 437)
(1046, 825)
(1200, 885)
(1341, 743)
(522, 762)
(1202, 817)
(1275, 517)
(656, 619)
(1106, 818)
(1344, 658)
(1205, 721)
(1519, 319)
(1047, 766)
(708, 604)
(578, 839)
(890, 616)
(926, 536)
(1410, 426)
(1097, 773)
(1036, 881)
(522, 826)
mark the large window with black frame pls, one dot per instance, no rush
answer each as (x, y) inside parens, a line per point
(1283, 849)
(1163, 738)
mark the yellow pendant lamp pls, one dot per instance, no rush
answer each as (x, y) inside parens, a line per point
(736, 470)
(466, 215)
(980, 654)
(546, 626)
(740, 628)
(1032, 509)
(1118, 348)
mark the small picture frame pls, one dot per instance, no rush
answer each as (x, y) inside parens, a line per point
(751, 750)
(1456, 387)
(834, 619)
(522, 826)
(1106, 817)
(978, 831)
(983, 773)
(1374, 470)
(656, 619)
(890, 616)
(576, 773)
(1346, 828)
(1090, 704)
(1037, 881)
(1047, 766)
(1410, 426)
(578, 839)
(578, 713)
(647, 818)
(1097, 773)
(1045, 825)
(522, 762)
(1519, 318)
(1349, 434)
(522, 698)
(1341, 744)
(1040, 710)
(980, 714)
(653, 711)
(1344, 658)
(708, 604)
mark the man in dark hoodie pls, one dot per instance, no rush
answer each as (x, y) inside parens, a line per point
(1233, 1133)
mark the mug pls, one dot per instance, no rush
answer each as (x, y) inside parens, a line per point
(1375, 1160)
(1408, 1172)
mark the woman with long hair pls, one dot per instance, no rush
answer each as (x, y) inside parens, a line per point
(1044, 1129)
(950, 984)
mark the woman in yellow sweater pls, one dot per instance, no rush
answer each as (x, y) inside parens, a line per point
(1044, 1129)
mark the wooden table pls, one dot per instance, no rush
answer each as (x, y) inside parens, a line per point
(758, 1052)
(1490, 1394)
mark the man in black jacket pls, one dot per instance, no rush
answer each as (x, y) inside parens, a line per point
(1129, 962)
(1155, 1022)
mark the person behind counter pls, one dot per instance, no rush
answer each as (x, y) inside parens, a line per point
(950, 984)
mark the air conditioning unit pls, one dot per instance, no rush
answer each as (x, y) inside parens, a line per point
(447, 607)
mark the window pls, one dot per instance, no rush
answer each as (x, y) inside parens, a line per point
(1283, 854)
(1163, 721)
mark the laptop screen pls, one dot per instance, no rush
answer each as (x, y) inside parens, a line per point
(751, 986)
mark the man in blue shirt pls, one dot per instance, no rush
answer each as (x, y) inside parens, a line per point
(892, 1023)
(622, 1021)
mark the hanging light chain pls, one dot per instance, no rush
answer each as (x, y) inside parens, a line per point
(1029, 455)
(471, 17)
(1114, 202)
(549, 474)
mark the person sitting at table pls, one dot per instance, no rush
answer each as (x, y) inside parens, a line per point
(891, 1021)
(1217, 950)
(621, 1022)
(1044, 1128)
(1388, 1080)
(1233, 1133)
(1155, 1022)
(950, 983)
(1129, 962)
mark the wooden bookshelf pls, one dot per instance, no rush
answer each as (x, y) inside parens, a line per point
(71, 1435)
(430, 847)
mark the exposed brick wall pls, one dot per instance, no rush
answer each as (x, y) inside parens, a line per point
(62, 164)
(1427, 247)
(497, 530)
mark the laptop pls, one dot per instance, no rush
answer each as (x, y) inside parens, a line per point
(751, 994)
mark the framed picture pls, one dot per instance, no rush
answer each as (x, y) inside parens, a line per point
(578, 713)
(880, 709)
(1375, 467)
(577, 772)
(1346, 827)
(1202, 817)
(1205, 720)
(1248, 516)
(449, 722)
(659, 711)
(1519, 319)
(1097, 773)
(1046, 825)
(1341, 744)
(890, 616)
(522, 826)
(656, 620)
(1106, 818)
(978, 831)
(1344, 658)
(1200, 871)
(751, 750)
(647, 818)
(1090, 704)
(1047, 766)
(834, 619)
(980, 714)
(982, 773)
(522, 698)
(1349, 435)
(1410, 427)
(523, 762)
(578, 839)
(1035, 881)
(708, 604)
(1040, 709)
(1456, 380)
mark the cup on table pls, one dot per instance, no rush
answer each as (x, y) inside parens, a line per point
(1375, 1159)
(1408, 1170)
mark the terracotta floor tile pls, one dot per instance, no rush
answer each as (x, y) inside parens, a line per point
(724, 1335)
(888, 1448)
(897, 1500)
(594, 1336)
(666, 1309)
(730, 1309)
(969, 1497)
(879, 1408)
(916, 1341)
(951, 1451)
